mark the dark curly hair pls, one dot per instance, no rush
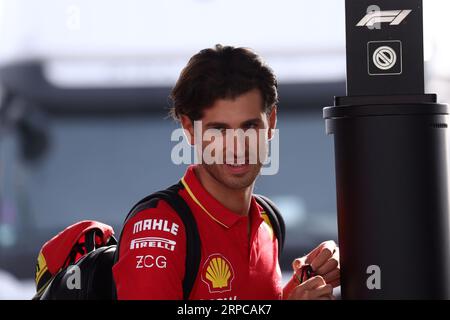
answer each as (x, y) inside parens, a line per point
(222, 72)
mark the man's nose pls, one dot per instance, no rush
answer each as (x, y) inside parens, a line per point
(236, 147)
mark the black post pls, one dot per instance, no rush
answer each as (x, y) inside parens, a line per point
(392, 161)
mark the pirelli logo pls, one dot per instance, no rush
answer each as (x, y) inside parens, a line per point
(153, 242)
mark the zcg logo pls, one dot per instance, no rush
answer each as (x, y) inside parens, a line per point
(149, 261)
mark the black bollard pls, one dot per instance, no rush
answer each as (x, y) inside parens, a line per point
(392, 160)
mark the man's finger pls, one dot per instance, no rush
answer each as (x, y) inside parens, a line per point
(328, 266)
(321, 292)
(313, 283)
(298, 263)
(313, 254)
(331, 276)
(327, 249)
(311, 289)
(336, 255)
(335, 283)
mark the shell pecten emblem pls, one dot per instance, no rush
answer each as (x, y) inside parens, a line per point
(217, 273)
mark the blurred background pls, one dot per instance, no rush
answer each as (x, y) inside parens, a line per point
(84, 88)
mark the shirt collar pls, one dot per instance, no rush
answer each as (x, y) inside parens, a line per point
(213, 208)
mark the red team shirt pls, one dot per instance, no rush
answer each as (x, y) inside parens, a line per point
(233, 266)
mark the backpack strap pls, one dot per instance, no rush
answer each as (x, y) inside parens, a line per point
(275, 218)
(193, 244)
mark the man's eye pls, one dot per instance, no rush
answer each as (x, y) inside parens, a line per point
(251, 126)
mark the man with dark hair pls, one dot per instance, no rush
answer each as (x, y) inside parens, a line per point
(226, 91)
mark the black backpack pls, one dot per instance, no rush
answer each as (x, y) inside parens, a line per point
(95, 267)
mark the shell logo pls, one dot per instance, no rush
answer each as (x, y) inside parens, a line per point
(217, 273)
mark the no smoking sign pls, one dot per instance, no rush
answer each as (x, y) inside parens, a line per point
(384, 57)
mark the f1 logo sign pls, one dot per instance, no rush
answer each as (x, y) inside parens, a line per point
(375, 17)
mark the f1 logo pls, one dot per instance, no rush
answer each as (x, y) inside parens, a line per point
(375, 17)
(384, 57)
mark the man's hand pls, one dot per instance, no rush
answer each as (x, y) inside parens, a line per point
(324, 261)
(312, 289)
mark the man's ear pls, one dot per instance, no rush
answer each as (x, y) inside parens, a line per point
(188, 127)
(272, 121)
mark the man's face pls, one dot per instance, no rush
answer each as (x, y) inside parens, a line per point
(240, 158)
